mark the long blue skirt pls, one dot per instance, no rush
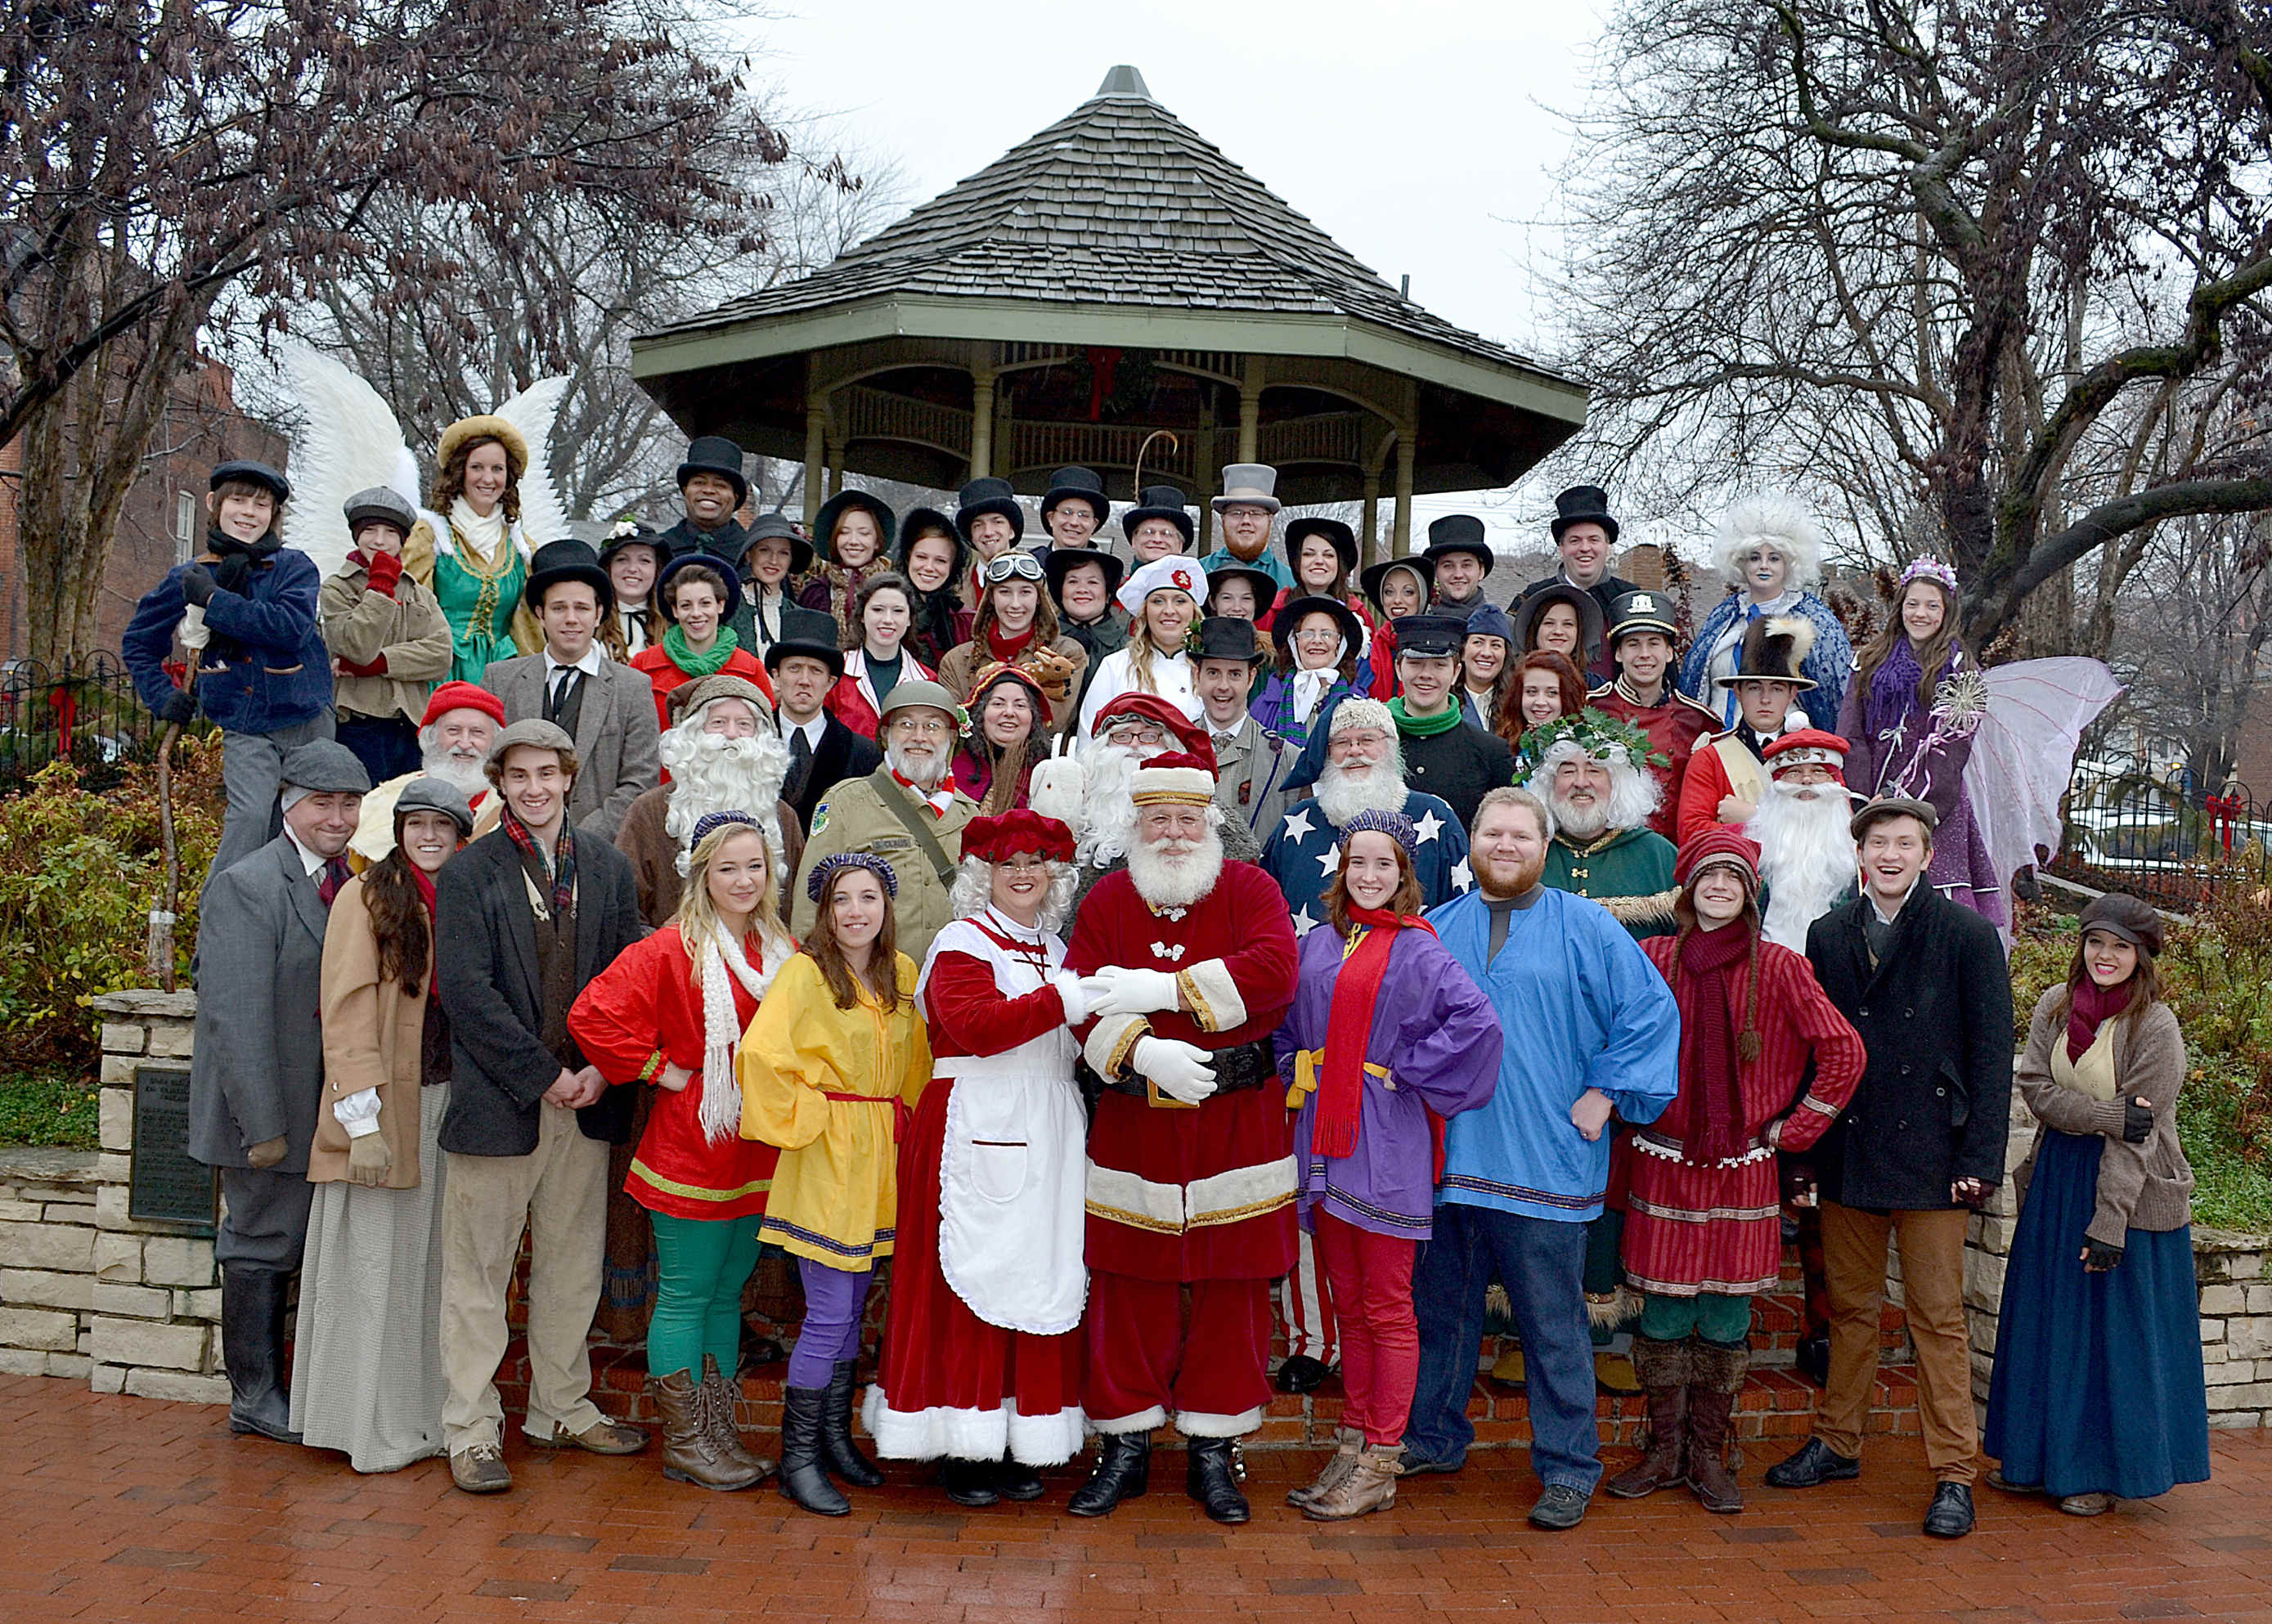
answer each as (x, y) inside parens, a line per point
(2098, 1385)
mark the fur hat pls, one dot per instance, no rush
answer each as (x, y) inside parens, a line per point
(1775, 520)
(1361, 713)
(1774, 647)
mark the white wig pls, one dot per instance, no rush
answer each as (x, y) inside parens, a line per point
(973, 889)
(1777, 520)
(1634, 793)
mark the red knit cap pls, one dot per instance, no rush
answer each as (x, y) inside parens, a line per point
(997, 839)
(1721, 843)
(1193, 737)
(462, 696)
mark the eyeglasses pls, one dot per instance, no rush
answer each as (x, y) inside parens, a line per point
(1018, 565)
(1025, 865)
(1136, 733)
(921, 729)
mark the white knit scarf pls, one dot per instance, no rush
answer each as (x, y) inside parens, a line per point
(722, 1026)
(484, 532)
(1309, 687)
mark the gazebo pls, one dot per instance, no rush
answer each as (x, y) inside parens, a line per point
(1114, 276)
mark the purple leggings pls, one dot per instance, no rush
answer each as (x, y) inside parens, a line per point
(833, 1299)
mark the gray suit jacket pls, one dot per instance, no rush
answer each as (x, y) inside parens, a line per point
(258, 1070)
(615, 735)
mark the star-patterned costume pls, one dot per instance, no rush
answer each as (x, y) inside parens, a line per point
(1302, 857)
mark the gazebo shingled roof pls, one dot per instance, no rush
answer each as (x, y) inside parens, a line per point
(1113, 275)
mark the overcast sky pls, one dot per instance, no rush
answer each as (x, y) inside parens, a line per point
(1423, 137)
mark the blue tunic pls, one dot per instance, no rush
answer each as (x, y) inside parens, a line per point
(1301, 855)
(1581, 1007)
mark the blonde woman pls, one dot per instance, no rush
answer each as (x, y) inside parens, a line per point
(1162, 600)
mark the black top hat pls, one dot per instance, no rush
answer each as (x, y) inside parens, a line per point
(569, 559)
(1160, 501)
(768, 525)
(1534, 603)
(1419, 563)
(824, 523)
(1431, 636)
(1460, 532)
(634, 535)
(1341, 535)
(988, 495)
(1060, 560)
(1583, 503)
(1640, 611)
(1266, 589)
(688, 561)
(1292, 614)
(1083, 484)
(714, 453)
(1226, 636)
(258, 472)
(828, 653)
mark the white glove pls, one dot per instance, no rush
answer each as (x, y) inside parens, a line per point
(1125, 990)
(1075, 993)
(1057, 787)
(1181, 1070)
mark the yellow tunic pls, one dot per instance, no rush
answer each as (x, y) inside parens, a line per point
(835, 1195)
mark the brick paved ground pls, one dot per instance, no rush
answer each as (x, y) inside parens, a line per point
(119, 1508)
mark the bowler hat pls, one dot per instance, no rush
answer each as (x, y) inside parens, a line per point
(767, 526)
(1341, 535)
(823, 523)
(380, 504)
(324, 767)
(1419, 563)
(566, 560)
(1079, 485)
(1061, 561)
(1160, 502)
(1587, 504)
(257, 473)
(987, 496)
(1226, 636)
(1461, 533)
(717, 566)
(714, 453)
(828, 653)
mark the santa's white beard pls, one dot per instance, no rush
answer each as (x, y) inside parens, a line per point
(1342, 794)
(1176, 874)
(466, 773)
(1806, 857)
(711, 772)
(1109, 801)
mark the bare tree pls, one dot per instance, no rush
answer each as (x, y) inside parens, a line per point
(2191, 638)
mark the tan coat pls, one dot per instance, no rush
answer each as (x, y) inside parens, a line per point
(371, 1034)
(409, 628)
(2148, 1186)
(962, 663)
(853, 816)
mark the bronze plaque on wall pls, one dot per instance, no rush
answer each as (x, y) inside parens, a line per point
(165, 1185)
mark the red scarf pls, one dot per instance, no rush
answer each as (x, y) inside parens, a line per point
(1709, 1046)
(1006, 649)
(1348, 1028)
(929, 797)
(2091, 1004)
(424, 882)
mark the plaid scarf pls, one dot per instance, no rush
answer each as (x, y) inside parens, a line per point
(563, 866)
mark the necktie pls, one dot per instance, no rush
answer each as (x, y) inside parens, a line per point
(563, 688)
(800, 749)
(1221, 742)
(335, 875)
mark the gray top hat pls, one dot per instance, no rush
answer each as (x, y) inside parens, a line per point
(1252, 482)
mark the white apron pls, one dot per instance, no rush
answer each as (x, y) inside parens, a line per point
(1012, 1176)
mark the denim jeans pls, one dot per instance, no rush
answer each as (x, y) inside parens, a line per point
(1542, 1264)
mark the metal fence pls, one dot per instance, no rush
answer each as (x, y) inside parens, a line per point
(2132, 828)
(83, 711)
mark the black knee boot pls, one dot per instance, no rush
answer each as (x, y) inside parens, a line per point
(252, 1347)
(836, 1446)
(802, 1478)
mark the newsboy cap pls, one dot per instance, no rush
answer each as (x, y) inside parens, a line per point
(325, 766)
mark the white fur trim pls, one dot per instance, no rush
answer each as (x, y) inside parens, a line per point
(1142, 1421)
(1213, 995)
(1046, 1440)
(1121, 1197)
(1151, 785)
(972, 1434)
(1068, 985)
(1193, 1425)
(1782, 522)
(1243, 1193)
(1110, 1040)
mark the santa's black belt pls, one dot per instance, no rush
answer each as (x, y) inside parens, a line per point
(1243, 1066)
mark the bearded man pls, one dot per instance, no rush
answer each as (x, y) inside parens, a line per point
(1808, 854)
(1191, 1177)
(722, 756)
(906, 812)
(1593, 774)
(1131, 731)
(454, 737)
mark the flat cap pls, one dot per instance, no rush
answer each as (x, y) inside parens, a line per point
(324, 767)
(428, 794)
(1892, 806)
(530, 730)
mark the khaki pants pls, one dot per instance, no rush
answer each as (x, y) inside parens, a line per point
(1932, 1292)
(559, 1192)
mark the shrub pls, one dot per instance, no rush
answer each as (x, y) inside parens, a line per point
(80, 872)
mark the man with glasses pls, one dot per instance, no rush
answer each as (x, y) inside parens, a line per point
(906, 812)
(1131, 730)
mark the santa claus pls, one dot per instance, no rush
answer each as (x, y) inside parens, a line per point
(1092, 792)
(1807, 857)
(1191, 1175)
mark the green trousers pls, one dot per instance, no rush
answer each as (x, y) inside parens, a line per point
(702, 1264)
(1712, 1316)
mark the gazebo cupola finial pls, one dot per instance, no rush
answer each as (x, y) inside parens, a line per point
(1123, 81)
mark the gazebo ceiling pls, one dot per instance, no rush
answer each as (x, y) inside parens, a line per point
(1114, 275)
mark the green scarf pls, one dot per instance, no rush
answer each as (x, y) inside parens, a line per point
(674, 643)
(1423, 727)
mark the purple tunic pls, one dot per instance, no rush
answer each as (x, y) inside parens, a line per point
(1439, 1040)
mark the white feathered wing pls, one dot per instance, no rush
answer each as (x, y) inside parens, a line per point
(347, 441)
(543, 517)
(2023, 754)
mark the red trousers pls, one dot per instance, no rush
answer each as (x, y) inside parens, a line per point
(1138, 1371)
(1370, 1278)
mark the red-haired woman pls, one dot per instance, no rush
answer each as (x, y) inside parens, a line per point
(1542, 687)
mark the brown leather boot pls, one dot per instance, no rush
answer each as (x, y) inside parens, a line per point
(1663, 1369)
(1718, 1377)
(720, 1394)
(1368, 1485)
(1347, 1442)
(690, 1450)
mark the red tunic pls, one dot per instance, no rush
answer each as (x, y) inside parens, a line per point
(1238, 1149)
(666, 676)
(1675, 725)
(1691, 1228)
(649, 999)
(1706, 783)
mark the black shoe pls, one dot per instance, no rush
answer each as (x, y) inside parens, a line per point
(1413, 1464)
(1559, 1508)
(802, 1478)
(968, 1483)
(1301, 1373)
(1212, 1470)
(252, 1316)
(1813, 1462)
(1950, 1515)
(1016, 1480)
(837, 1450)
(1813, 1359)
(1123, 1471)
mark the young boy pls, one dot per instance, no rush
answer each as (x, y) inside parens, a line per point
(388, 639)
(261, 671)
